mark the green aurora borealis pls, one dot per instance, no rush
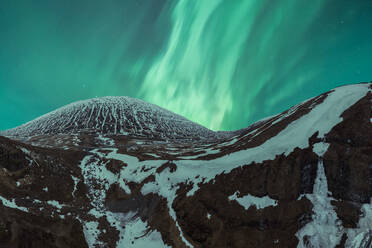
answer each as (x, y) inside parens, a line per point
(221, 63)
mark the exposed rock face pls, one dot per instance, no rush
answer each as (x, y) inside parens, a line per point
(302, 178)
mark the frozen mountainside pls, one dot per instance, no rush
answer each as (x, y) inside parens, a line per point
(301, 178)
(114, 115)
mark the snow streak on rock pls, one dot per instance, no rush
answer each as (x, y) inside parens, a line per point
(12, 204)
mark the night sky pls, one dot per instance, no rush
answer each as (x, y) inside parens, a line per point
(221, 63)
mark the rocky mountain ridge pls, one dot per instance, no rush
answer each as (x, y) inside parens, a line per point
(298, 179)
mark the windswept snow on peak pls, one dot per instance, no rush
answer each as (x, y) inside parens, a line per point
(114, 115)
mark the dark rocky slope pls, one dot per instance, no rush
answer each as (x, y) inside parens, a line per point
(302, 178)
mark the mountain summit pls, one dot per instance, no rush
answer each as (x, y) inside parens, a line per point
(301, 178)
(114, 115)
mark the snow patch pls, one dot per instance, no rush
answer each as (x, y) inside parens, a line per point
(152, 155)
(97, 172)
(165, 188)
(249, 200)
(56, 204)
(228, 143)
(75, 140)
(76, 181)
(24, 150)
(105, 140)
(207, 151)
(134, 232)
(12, 204)
(91, 233)
(320, 148)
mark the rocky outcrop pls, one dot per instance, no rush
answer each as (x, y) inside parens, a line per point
(299, 179)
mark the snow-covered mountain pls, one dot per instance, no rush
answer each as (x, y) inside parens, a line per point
(114, 115)
(301, 178)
